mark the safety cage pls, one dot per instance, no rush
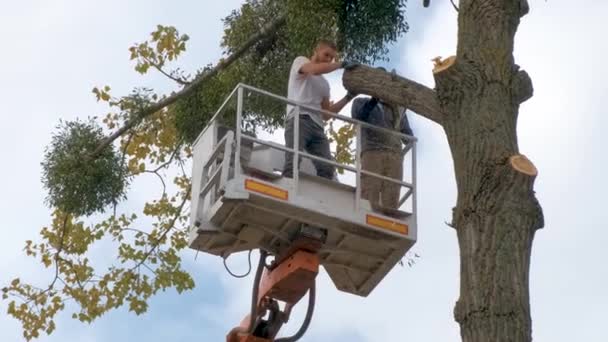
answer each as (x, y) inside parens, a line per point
(240, 200)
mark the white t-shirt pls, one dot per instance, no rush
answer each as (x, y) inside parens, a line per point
(306, 89)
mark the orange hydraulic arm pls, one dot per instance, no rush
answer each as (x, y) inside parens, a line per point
(287, 280)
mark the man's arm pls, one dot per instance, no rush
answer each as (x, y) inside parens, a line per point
(325, 68)
(335, 107)
(319, 68)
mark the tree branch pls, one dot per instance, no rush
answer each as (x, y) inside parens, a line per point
(58, 252)
(522, 87)
(122, 164)
(167, 230)
(160, 177)
(56, 259)
(453, 4)
(157, 67)
(135, 231)
(524, 7)
(173, 155)
(395, 89)
(267, 30)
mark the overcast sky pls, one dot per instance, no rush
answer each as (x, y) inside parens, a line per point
(54, 52)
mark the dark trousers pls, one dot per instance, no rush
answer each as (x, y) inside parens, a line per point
(312, 140)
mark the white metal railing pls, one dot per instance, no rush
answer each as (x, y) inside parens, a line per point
(219, 173)
(410, 146)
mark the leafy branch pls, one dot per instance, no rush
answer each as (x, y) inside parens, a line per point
(197, 82)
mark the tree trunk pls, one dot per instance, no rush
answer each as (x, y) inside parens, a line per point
(477, 100)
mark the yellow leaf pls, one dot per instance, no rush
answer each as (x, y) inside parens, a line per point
(46, 260)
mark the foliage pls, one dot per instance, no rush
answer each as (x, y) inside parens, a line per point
(147, 262)
(361, 28)
(147, 244)
(343, 137)
(365, 28)
(168, 45)
(75, 182)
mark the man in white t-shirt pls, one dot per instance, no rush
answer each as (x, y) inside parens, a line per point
(308, 87)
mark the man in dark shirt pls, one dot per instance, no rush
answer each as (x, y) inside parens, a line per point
(381, 153)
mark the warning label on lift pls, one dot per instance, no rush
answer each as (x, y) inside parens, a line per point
(266, 189)
(386, 224)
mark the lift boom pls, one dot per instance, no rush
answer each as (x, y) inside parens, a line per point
(287, 279)
(241, 202)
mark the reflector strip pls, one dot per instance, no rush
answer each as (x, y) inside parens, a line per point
(386, 224)
(266, 189)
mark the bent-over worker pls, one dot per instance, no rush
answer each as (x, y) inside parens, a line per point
(381, 153)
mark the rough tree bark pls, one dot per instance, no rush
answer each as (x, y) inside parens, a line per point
(476, 100)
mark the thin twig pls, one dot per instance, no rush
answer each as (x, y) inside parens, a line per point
(63, 282)
(161, 180)
(71, 264)
(173, 155)
(148, 267)
(181, 164)
(136, 231)
(165, 165)
(157, 67)
(453, 4)
(122, 164)
(22, 298)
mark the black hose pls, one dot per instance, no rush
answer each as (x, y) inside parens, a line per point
(239, 276)
(256, 287)
(307, 319)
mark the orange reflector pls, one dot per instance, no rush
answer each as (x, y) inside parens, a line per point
(266, 189)
(386, 224)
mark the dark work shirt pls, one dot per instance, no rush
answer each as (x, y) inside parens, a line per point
(380, 115)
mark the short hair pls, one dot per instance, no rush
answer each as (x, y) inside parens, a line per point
(327, 43)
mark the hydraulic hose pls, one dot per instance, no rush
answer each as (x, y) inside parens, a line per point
(233, 334)
(256, 289)
(307, 318)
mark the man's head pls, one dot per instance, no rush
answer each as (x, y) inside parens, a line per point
(325, 52)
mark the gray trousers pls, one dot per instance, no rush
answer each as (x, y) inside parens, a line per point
(313, 140)
(381, 193)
